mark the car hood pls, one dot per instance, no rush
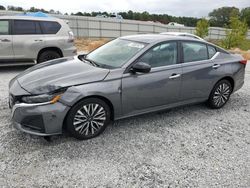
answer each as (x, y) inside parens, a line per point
(60, 73)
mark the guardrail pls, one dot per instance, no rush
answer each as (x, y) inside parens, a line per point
(92, 27)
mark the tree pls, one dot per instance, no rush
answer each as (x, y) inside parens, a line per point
(202, 28)
(220, 17)
(2, 7)
(236, 33)
(245, 15)
(15, 8)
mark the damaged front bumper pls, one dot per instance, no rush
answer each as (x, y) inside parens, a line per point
(42, 119)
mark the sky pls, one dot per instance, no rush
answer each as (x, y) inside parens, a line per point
(190, 8)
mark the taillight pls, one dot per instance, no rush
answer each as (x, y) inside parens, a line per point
(71, 36)
(244, 61)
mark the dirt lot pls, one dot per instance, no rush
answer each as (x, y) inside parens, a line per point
(190, 146)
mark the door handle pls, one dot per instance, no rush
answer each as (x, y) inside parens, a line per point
(173, 76)
(38, 40)
(5, 40)
(215, 66)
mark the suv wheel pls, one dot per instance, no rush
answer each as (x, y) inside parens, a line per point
(48, 55)
(88, 118)
(220, 94)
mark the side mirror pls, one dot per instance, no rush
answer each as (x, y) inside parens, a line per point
(141, 67)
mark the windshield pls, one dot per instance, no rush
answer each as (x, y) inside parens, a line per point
(115, 53)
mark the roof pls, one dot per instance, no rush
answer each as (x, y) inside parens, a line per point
(152, 38)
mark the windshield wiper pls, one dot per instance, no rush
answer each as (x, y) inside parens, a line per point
(92, 62)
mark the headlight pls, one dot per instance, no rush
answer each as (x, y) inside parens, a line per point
(52, 98)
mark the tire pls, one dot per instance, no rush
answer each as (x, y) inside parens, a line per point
(48, 55)
(88, 118)
(220, 94)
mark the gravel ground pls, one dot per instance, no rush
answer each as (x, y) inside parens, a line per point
(191, 146)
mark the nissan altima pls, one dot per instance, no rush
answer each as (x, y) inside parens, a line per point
(128, 76)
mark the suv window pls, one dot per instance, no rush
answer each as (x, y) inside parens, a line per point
(211, 51)
(26, 27)
(50, 27)
(4, 27)
(161, 55)
(194, 51)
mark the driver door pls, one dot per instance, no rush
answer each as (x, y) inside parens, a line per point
(158, 88)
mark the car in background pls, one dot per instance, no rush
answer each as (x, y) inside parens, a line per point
(116, 16)
(176, 24)
(128, 76)
(182, 34)
(27, 40)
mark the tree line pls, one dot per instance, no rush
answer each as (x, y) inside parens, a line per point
(217, 18)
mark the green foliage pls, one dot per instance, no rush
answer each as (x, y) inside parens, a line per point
(145, 16)
(245, 15)
(13, 8)
(221, 17)
(2, 7)
(202, 28)
(236, 33)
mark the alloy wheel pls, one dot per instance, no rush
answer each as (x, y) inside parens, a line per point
(221, 94)
(89, 119)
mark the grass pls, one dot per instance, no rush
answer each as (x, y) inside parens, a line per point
(84, 44)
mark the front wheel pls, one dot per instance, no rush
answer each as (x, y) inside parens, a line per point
(88, 118)
(220, 94)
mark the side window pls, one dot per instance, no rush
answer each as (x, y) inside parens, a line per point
(26, 27)
(50, 27)
(211, 51)
(194, 51)
(4, 27)
(161, 55)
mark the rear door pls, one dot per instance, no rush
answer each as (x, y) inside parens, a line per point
(27, 39)
(6, 48)
(197, 71)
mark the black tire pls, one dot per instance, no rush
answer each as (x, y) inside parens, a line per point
(48, 55)
(220, 94)
(89, 122)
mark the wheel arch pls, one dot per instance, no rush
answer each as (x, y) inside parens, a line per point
(228, 78)
(107, 101)
(53, 48)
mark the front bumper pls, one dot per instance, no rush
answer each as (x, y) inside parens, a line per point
(43, 119)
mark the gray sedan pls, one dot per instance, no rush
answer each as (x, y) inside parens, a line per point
(126, 77)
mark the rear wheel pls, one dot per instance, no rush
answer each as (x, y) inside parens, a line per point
(220, 94)
(88, 118)
(48, 55)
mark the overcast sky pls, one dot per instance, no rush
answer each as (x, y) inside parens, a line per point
(194, 8)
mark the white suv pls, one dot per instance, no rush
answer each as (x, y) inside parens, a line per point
(30, 40)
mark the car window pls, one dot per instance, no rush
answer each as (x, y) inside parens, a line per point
(161, 55)
(115, 53)
(50, 27)
(211, 51)
(4, 27)
(26, 27)
(194, 51)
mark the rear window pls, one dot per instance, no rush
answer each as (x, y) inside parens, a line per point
(211, 51)
(4, 27)
(194, 51)
(50, 27)
(26, 27)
